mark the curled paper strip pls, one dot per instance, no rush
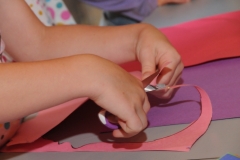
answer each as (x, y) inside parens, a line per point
(202, 30)
(180, 141)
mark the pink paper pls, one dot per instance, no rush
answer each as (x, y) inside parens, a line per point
(33, 129)
(203, 40)
(206, 39)
(181, 141)
(30, 130)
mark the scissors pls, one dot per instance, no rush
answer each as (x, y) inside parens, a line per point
(104, 115)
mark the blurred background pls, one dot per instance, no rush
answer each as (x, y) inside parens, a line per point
(84, 13)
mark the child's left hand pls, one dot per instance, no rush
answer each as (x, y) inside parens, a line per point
(153, 49)
(120, 44)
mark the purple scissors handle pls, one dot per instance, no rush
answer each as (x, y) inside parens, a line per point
(103, 114)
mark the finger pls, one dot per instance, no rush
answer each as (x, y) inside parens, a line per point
(177, 75)
(148, 63)
(136, 123)
(146, 104)
(129, 128)
(167, 73)
(167, 93)
(142, 116)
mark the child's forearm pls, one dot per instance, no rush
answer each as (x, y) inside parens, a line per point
(27, 39)
(117, 44)
(30, 87)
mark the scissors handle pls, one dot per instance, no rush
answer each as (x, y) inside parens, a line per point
(103, 114)
(147, 87)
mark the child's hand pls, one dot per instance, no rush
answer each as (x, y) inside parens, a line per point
(154, 50)
(121, 94)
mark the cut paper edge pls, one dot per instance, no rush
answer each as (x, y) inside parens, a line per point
(147, 81)
(225, 45)
(30, 131)
(180, 141)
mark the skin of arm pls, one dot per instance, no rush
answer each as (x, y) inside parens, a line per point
(48, 56)
(29, 87)
(121, 44)
(60, 41)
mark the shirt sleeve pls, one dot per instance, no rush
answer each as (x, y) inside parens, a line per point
(137, 9)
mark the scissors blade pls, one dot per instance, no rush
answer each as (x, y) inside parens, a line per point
(149, 79)
(103, 114)
(147, 87)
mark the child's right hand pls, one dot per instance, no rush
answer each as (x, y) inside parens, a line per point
(121, 94)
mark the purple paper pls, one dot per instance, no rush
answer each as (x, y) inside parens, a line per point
(220, 79)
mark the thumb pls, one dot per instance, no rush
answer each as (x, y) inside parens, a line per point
(148, 67)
